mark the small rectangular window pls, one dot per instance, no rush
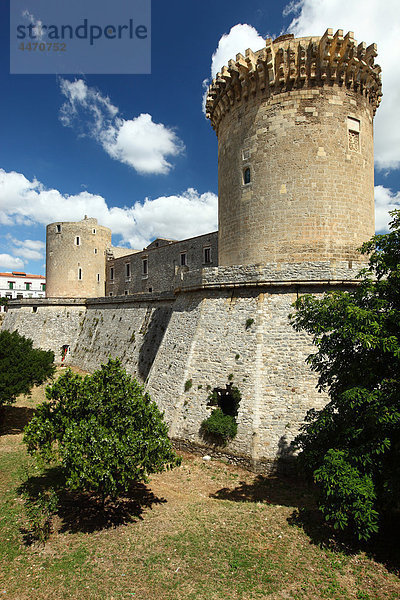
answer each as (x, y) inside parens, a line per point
(126, 292)
(95, 250)
(80, 274)
(98, 277)
(43, 287)
(145, 267)
(77, 241)
(207, 255)
(11, 285)
(245, 154)
(183, 259)
(111, 293)
(58, 228)
(127, 269)
(94, 231)
(112, 273)
(28, 285)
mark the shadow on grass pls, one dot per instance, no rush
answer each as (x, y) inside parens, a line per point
(294, 491)
(13, 419)
(84, 512)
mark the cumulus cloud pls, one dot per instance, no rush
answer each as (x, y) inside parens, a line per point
(25, 202)
(11, 263)
(29, 249)
(385, 201)
(371, 21)
(139, 142)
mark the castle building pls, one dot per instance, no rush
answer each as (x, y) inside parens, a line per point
(294, 122)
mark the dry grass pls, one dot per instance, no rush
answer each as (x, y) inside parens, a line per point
(205, 531)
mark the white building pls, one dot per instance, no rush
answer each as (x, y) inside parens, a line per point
(22, 285)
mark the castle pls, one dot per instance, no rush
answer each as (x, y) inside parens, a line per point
(294, 122)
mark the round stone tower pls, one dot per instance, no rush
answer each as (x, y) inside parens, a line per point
(75, 259)
(295, 150)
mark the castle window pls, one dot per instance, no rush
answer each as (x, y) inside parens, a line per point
(183, 259)
(58, 228)
(98, 277)
(246, 175)
(95, 250)
(145, 267)
(80, 274)
(353, 128)
(127, 269)
(94, 231)
(111, 293)
(126, 292)
(112, 273)
(245, 154)
(77, 241)
(150, 290)
(206, 255)
(34, 309)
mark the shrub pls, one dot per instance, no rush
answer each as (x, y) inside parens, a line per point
(219, 427)
(351, 447)
(103, 429)
(21, 366)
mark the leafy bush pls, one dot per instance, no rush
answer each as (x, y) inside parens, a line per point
(352, 446)
(219, 427)
(21, 366)
(103, 428)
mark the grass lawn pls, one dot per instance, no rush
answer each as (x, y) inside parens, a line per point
(204, 531)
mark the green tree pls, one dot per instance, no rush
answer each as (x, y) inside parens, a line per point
(352, 446)
(21, 366)
(103, 428)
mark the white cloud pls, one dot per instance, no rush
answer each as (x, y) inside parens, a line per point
(24, 202)
(142, 144)
(11, 262)
(385, 201)
(139, 142)
(371, 21)
(29, 249)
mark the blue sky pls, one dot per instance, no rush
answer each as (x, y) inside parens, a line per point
(136, 151)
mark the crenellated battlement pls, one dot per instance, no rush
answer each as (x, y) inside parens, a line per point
(289, 63)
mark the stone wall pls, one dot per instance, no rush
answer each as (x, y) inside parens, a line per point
(164, 268)
(206, 336)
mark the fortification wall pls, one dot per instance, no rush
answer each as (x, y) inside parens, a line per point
(209, 336)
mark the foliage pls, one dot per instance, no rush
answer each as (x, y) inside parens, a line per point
(40, 510)
(249, 323)
(21, 366)
(188, 385)
(352, 446)
(104, 429)
(219, 427)
(3, 301)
